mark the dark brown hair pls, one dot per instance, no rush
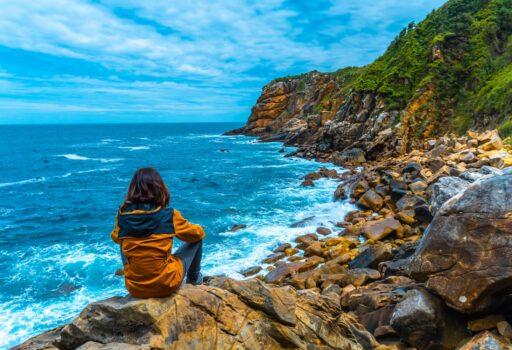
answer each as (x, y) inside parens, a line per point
(147, 186)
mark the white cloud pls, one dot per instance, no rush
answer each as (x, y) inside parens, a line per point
(212, 52)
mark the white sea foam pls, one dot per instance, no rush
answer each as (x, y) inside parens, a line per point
(21, 319)
(72, 156)
(272, 227)
(134, 148)
(44, 179)
(22, 182)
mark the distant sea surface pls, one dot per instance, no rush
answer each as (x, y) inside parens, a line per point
(61, 185)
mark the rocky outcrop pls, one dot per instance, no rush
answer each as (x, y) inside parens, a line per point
(226, 314)
(464, 255)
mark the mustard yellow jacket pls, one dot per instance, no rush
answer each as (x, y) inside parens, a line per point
(145, 234)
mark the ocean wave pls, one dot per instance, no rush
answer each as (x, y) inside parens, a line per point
(23, 182)
(134, 148)
(72, 156)
(50, 178)
(75, 265)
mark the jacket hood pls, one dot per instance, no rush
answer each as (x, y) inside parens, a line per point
(142, 220)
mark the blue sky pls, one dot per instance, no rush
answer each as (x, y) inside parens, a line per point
(70, 61)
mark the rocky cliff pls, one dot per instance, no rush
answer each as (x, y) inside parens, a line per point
(449, 73)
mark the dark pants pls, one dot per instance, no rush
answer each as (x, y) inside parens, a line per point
(190, 255)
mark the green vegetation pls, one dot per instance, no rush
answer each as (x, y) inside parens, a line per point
(462, 51)
(505, 129)
(461, 54)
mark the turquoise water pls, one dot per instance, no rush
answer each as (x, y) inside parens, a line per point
(60, 187)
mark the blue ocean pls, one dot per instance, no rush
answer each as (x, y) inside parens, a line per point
(61, 185)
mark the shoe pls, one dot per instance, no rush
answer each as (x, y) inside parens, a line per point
(198, 280)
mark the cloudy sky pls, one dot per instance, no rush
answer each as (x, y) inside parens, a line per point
(65, 61)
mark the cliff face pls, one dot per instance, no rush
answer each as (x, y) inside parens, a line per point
(449, 73)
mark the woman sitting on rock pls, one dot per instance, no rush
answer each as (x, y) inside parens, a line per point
(145, 227)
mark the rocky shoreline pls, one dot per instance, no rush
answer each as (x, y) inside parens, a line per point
(425, 264)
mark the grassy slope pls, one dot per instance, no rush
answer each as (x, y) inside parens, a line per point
(471, 75)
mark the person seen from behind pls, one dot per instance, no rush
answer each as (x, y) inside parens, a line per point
(145, 228)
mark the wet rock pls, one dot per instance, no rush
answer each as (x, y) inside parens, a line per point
(372, 256)
(324, 231)
(422, 320)
(307, 183)
(371, 200)
(237, 227)
(251, 271)
(358, 188)
(312, 176)
(486, 340)
(303, 222)
(340, 192)
(282, 247)
(464, 254)
(290, 251)
(380, 229)
(272, 258)
(310, 237)
(329, 173)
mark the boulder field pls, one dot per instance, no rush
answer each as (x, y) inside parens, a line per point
(424, 263)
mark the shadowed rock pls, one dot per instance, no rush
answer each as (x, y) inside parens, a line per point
(464, 256)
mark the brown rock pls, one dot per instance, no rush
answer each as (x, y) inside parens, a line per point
(324, 231)
(315, 248)
(372, 255)
(251, 271)
(486, 340)
(371, 200)
(277, 275)
(272, 258)
(310, 237)
(406, 216)
(505, 329)
(311, 263)
(217, 316)
(485, 323)
(380, 229)
(282, 247)
(290, 251)
(340, 192)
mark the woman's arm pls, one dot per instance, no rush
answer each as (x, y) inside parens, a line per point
(115, 233)
(185, 230)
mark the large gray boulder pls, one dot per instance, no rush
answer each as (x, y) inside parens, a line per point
(444, 189)
(465, 253)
